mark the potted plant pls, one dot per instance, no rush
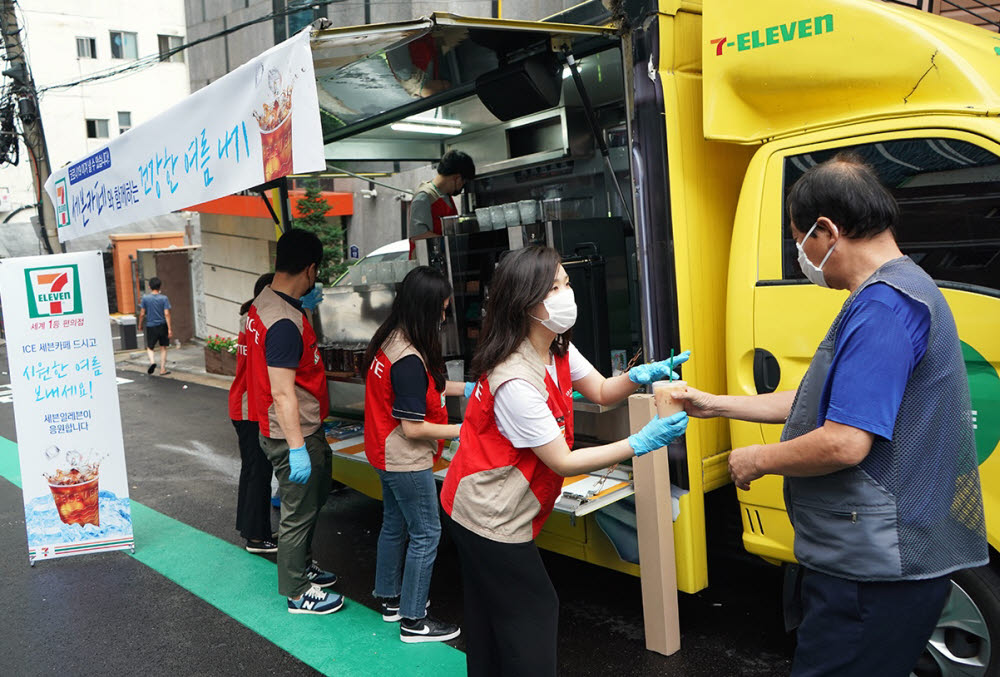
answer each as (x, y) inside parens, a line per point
(220, 355)
(228, 354)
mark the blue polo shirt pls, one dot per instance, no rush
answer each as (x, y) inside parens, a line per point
(881, 339)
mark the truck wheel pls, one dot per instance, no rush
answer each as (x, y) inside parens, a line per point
(966, 640)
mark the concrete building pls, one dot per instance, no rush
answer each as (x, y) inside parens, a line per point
(69, 40)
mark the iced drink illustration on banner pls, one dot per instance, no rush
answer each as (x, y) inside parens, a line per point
(275, 122)
(73, 481)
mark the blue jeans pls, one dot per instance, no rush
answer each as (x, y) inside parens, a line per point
(409, 508)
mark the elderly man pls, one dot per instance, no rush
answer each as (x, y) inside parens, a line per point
(877, 451)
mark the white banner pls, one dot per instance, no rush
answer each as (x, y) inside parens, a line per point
(257, 123)
(69, 432)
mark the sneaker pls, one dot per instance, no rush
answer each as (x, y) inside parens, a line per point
(390, 609)
(427, 629)
(316, 601)
(320, 578)
(262, 546)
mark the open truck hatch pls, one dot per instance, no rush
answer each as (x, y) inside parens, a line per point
(370, 76)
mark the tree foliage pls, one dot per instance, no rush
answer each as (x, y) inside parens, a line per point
(313, 209)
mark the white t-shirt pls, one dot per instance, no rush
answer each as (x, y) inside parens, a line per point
(522, 413)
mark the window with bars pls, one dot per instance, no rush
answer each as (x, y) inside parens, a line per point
(86, 48)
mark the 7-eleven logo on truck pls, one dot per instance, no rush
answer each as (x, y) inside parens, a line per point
(54, 290)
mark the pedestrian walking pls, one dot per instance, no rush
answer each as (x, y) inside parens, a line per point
(154, 310)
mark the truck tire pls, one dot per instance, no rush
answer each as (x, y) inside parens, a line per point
(966, 640)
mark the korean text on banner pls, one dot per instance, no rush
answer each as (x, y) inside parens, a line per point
(66, 411)
(257, 123)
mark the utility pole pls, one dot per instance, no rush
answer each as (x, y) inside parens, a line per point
(31, 120)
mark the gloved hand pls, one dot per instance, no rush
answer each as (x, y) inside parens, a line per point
(644, 374)
(470, 387)
(299, 465)
(314, 297)
(658, 433)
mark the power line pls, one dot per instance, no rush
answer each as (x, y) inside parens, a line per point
(152, 59)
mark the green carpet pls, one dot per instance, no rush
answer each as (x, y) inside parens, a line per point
(353, 641)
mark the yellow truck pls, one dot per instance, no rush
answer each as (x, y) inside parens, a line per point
(705, 113)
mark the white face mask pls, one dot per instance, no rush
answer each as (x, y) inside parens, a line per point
(561, 307)
(813, 272)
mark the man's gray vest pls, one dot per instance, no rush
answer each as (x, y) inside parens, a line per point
(912, 509)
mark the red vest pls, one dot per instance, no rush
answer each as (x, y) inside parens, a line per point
(310, 375)
(238, 408)
(385, 445)
(484, 454)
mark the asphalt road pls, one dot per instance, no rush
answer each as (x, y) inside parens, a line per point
(108, 613)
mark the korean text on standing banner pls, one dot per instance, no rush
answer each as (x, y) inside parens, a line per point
(257, 123)
(69, 433)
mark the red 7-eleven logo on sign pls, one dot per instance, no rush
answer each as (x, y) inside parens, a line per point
(54, 290)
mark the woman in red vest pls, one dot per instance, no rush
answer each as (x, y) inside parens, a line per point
(514, 451)
(253, 501)
(405, 419)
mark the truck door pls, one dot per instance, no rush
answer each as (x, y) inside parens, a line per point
(947, 184)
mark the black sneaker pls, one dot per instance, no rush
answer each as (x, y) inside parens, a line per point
(427, 629)
(319, 577)
(390, 609)
(264, 546)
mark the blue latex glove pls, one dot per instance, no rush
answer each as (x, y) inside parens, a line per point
(313, 298)
(470, 387)
(644, 374)
(658, 433)
(299, 466)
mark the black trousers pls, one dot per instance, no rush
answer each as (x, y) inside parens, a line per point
(253, 502)
(511, 609)
(862, 629)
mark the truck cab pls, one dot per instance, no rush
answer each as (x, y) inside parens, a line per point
(708, 113)
(925, 124)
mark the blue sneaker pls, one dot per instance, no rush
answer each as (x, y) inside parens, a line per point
(316, 601)
(320, 578)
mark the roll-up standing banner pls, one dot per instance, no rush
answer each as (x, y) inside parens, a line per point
(66, 411)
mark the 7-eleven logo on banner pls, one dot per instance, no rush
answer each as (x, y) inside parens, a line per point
(54, 290)
(62, 204)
